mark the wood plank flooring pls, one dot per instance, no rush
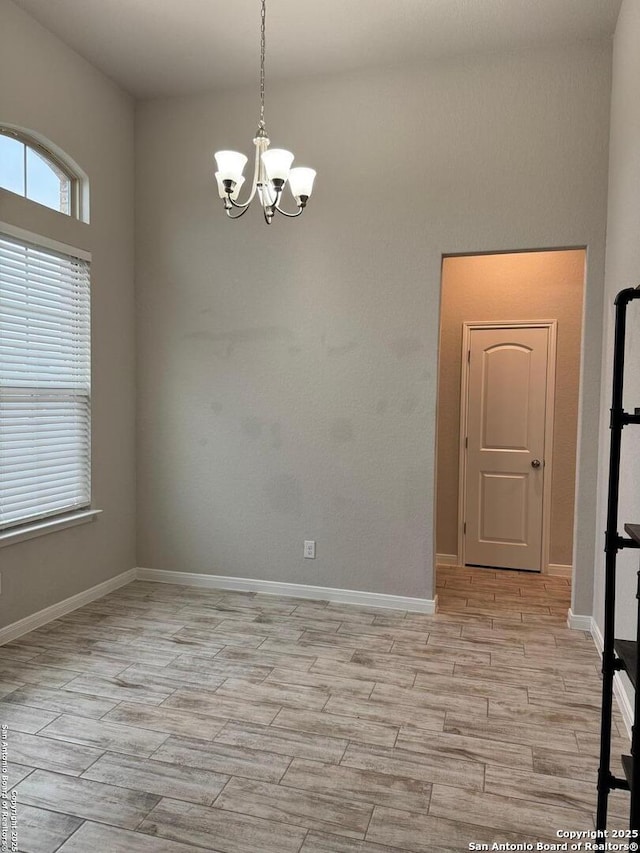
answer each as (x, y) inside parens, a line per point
(167, 719)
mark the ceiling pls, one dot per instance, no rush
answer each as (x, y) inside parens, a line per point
(169, 47)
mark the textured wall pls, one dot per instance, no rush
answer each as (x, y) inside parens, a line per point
(287, 375)
(53, 92)
(622, 271)
(511, 288)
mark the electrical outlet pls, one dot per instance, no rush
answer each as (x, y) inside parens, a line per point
(309, 549)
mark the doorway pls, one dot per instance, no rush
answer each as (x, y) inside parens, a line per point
(509, 375)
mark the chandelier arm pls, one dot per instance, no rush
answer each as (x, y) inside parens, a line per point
(244, 205)
(237, 215)
(290, 215)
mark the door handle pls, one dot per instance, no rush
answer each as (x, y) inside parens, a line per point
(535, 463)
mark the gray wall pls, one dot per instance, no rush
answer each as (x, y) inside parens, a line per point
(623, 270)
(51, 91)
(287, 375)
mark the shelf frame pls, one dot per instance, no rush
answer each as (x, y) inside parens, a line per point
(614, 542)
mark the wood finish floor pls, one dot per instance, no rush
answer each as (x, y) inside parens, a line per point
(167, 719)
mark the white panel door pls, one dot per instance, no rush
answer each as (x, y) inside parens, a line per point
(506, 414)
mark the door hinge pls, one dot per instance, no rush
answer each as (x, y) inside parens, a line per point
(464, 527)
(468, 355)
(466, 441)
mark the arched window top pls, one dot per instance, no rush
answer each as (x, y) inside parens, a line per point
(28, 167)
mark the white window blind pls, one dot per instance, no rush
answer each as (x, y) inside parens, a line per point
(45, 383)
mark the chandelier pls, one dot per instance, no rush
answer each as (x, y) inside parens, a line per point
(272, 167)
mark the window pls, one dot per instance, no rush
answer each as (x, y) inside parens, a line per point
(28, 169)
(45, 382)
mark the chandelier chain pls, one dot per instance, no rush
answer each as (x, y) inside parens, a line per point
(262, 53)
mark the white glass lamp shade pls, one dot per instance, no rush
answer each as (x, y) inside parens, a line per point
(301, 181)
(277, 163)
(230, 165)
(236, 190)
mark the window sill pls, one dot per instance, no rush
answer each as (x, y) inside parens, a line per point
(47, 525)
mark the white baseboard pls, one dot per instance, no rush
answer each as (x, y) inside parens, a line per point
(624, 703)
(579, 623)
(293, 590)
(55, 611)
(447, 560)
(597, 636)
(557, 570)
(619, 692)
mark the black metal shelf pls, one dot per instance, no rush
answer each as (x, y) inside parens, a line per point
(618, 655)
(634, 532)
(628, 418)
(627, 652)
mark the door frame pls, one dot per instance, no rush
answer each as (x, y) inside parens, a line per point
(467, 329)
